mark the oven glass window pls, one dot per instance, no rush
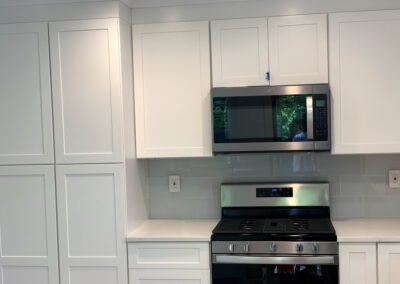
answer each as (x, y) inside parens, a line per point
(274, 274)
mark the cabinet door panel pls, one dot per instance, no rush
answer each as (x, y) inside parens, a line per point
(389, 263)
(91, 223)
(86, 91)
(298, 49)
(169, 276)
(357, 263)
(172, 90)
(364, 68)
(28, 234)
(25, 101)
(239, 52)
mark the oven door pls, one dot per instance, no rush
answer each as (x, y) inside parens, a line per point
(245, 269)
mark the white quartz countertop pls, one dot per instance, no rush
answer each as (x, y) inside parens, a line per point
(173, 230)
(352, 230)
(368, 230)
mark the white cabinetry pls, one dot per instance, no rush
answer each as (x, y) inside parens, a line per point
(169, 276)
(91, 224)
(296, 47)
(172, 90)
(389, 263)
(364, 67)
(239, 52)
(86, 91)
(158, 263)
(357, 263)
(25, 95)
(28, 250)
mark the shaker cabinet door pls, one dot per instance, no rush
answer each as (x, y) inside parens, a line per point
(172, 90)
(389, 263)
(28, 230)
(298, 49)
(239, 52)
(364, 79)
(86, 91)
(91, 224)
(25, 95)
(357, 263)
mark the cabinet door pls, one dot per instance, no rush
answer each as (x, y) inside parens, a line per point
(25, 95)
(91, 224)
(172, 90)
(239, 52)
(357, 263)
(86, 91)
(28, 233)
(298, 49)
(364, 67)
(169, 276)
(389, 263)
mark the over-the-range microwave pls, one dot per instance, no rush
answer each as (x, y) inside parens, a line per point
(271, 119)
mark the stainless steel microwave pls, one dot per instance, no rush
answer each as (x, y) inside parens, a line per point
(271, 119)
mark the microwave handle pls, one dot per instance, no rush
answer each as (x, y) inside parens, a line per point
(310, 118)
(276, 260)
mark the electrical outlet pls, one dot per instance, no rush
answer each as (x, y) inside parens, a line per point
(394, 179)
(174, 184)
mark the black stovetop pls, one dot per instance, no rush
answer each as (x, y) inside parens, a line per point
(279, 229)
(275, 224)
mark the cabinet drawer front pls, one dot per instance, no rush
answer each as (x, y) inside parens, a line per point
(169, 255)
(169, 276)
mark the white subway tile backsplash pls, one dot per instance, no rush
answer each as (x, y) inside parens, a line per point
(358, 183)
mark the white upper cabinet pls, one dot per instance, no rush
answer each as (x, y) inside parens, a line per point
(91, 224)
(239, 52)
(288, 50)
(298, 50)
(87, 99)
(172, 90)
(25, 95)
(28, 249)
(364, 79)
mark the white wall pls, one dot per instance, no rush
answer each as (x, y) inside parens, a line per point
(256, 8)
(359, 186)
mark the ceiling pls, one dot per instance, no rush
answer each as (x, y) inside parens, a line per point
(131, 3)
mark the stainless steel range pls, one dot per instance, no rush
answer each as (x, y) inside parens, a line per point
(275, 234)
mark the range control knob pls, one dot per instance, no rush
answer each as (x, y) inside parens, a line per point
(299, 247)
(246, 247)
(231, 247)
(273, 247)
(315, 248)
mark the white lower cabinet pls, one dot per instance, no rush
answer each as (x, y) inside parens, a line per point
(28, 230)
(169, 262)
(389, 263)
(169, 276)
(369, 263)
(357, 263)
(91, 224)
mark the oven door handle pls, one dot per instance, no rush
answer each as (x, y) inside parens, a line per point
(301, 260)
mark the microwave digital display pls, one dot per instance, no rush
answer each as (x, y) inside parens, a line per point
(274, 192)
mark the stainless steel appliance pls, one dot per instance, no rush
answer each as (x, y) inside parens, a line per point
(267, 119)
(275, 234)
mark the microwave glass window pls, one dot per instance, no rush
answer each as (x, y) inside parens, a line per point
(260, 119)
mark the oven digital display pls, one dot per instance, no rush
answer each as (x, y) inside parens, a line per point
(274, 192)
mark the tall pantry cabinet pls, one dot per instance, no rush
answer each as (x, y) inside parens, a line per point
(79, 188)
